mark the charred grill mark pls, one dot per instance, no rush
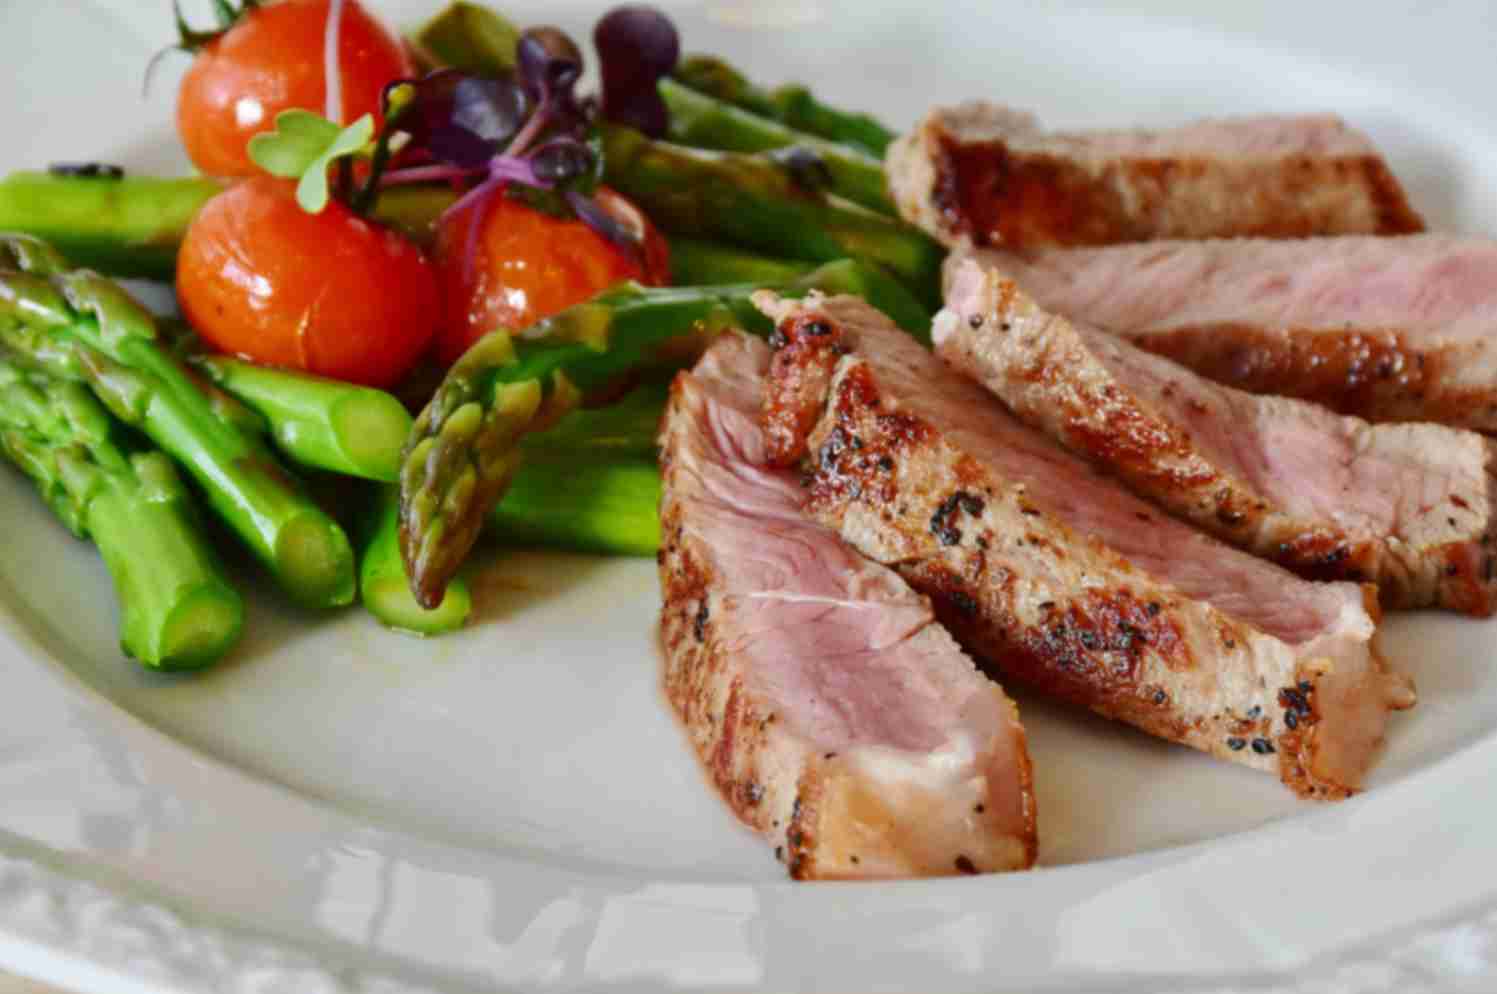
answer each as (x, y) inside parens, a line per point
(831, 449)
(807, 348)
(941, 524)
(1378, 375)
(799, 840)
(1466, 583)
(1395, 215)
(699, 623)
(1001, 197)
(858, 455)
(1089, 650)
(1325, 556)
(1296, 745)
(998, 198)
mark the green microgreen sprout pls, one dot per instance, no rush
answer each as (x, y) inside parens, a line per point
(302, 147)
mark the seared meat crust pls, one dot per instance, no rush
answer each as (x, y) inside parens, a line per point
(922, 471)
(990, 175)
(1400, 329)
(830, 710)
(1408, 507)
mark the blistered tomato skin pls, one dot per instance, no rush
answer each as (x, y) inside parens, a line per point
(272, 60)
(330, 293)
(527, 265)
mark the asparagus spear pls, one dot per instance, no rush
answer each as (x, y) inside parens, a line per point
(133, 226)
(751, 201)
(384, 588)
(698, 263)
(589, 484)
(322, 423)
(793, 105)
(600, 503)
(470, 37)
(465, 446)
(627, 429)
(702, 121)
(78, 326)
(128, 227)
(176, 609)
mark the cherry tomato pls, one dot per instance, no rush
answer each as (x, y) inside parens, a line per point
(527, 265)
(328, 293)
(272, 60)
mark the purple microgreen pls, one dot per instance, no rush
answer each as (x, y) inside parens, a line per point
(460, 120)
(87, 170)
(487, 112)
(550, 63)
(561, 161)
(303, 146)
(435, 173)
(637, 47)
(501, 171)
(807, 169)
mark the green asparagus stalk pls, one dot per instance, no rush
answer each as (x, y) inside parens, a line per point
(465, 447)
(133, 227)
(792, 105)
(603, 504)
(383, 586)
(127, 227)
(698, 263)
(701, 121)
(470, 37)
(176, 609)
(627, 429)
(590, 484)
(317, 422)
(79, 327)
(751, 201)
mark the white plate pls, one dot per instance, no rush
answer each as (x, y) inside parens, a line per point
(339, 808)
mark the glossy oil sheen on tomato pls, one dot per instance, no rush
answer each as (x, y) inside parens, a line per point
(271, 61)
(527, 265)
(328, 293)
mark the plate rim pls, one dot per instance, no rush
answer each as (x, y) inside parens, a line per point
(118, 932)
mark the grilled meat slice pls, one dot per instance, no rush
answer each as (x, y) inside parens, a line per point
(1056, 576)
(1400, 329)
(992, 175)
(1408, 507)
(831, 710)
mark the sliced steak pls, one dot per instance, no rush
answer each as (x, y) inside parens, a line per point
(1056, 576)
(1408, 507)
(831, 710)
(1401, 329)
(993, 176)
